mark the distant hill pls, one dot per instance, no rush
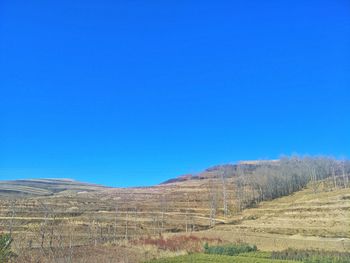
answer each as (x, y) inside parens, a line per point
(41, 187)
(228, 170)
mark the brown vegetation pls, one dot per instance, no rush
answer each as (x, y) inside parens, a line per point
(74, 220)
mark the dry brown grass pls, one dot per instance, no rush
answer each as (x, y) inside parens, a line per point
(303, 220)
(89, 222)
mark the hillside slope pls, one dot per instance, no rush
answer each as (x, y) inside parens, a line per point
(304, 219)
(84, 214)
(227, 170)
(39, 187)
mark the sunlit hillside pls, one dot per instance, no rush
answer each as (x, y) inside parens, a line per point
(293, 202)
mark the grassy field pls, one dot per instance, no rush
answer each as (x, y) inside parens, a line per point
(290, 255)
(204, 258)
(318, 220)
(96, 214)
(87, 217)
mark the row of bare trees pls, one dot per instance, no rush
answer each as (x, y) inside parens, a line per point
(267, 180)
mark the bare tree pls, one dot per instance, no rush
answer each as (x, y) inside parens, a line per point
(116, 223)
(186, 215)
(13, 214)
(163, 207)
(212, 191)
(224, 193)
(135, 222)
(334, 177)
(52, 228)
(345, 178)
(126, 225)
(43, 225)
(155, 221)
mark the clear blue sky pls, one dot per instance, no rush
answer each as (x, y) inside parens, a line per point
(135, 92)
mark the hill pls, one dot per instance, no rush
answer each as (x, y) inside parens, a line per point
(40, 187)
(227, 170)
(306, 219)
(297, 202)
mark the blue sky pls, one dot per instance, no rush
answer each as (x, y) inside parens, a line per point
(128, 93)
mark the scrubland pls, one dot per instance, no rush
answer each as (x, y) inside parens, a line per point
(292, 203)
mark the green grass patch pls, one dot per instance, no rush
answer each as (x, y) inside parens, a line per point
(207, 258)
(229, 250)
(312, 256)
(245, 253)
(5, 248)
(257, 254)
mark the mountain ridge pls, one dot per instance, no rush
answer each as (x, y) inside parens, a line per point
(44, 186)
